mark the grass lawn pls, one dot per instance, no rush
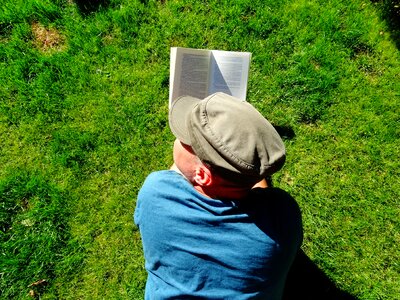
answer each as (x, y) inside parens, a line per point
(83, 120)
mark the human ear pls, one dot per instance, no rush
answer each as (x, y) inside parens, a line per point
(203, 176)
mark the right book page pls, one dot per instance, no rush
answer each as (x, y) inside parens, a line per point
(229, 73)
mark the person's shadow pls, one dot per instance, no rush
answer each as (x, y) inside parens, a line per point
(307, 282)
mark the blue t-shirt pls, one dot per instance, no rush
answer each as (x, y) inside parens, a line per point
(196, 247)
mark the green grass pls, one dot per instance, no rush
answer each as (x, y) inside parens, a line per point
(83, 120)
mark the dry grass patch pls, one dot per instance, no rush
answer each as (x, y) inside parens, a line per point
(47, 40)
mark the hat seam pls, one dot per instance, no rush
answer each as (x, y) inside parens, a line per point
(220, 144)
(246, 165)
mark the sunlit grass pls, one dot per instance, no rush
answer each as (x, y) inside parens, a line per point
(83, 120)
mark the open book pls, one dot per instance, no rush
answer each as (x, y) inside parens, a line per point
(200, 73)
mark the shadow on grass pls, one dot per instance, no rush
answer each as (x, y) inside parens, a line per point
(307, 282)
(87, 7)
(286, 133)
(390, 12)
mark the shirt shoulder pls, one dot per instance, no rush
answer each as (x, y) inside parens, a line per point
(158, 188)
(276, 213)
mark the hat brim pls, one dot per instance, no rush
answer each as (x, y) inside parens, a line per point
(178, 116)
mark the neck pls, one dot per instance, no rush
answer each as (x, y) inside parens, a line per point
(198, 188)
(201, 190)
(175, 168)
(220, 189)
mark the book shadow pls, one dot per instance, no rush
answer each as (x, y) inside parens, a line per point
(306, 281)
(390, 13)
(87, 7)
(286, 132)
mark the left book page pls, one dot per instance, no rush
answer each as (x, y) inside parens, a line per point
(189, 73)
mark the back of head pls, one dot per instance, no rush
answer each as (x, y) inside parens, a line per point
(229, 134)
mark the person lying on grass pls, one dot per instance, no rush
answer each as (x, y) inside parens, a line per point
(210, 226)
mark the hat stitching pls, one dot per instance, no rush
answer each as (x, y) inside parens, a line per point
(262, 167)
(223, 147)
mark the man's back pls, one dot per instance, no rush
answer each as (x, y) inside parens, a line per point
(196, 246)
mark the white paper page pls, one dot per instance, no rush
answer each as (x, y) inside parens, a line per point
(189, 73)
(229, 73)
(172, 66)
